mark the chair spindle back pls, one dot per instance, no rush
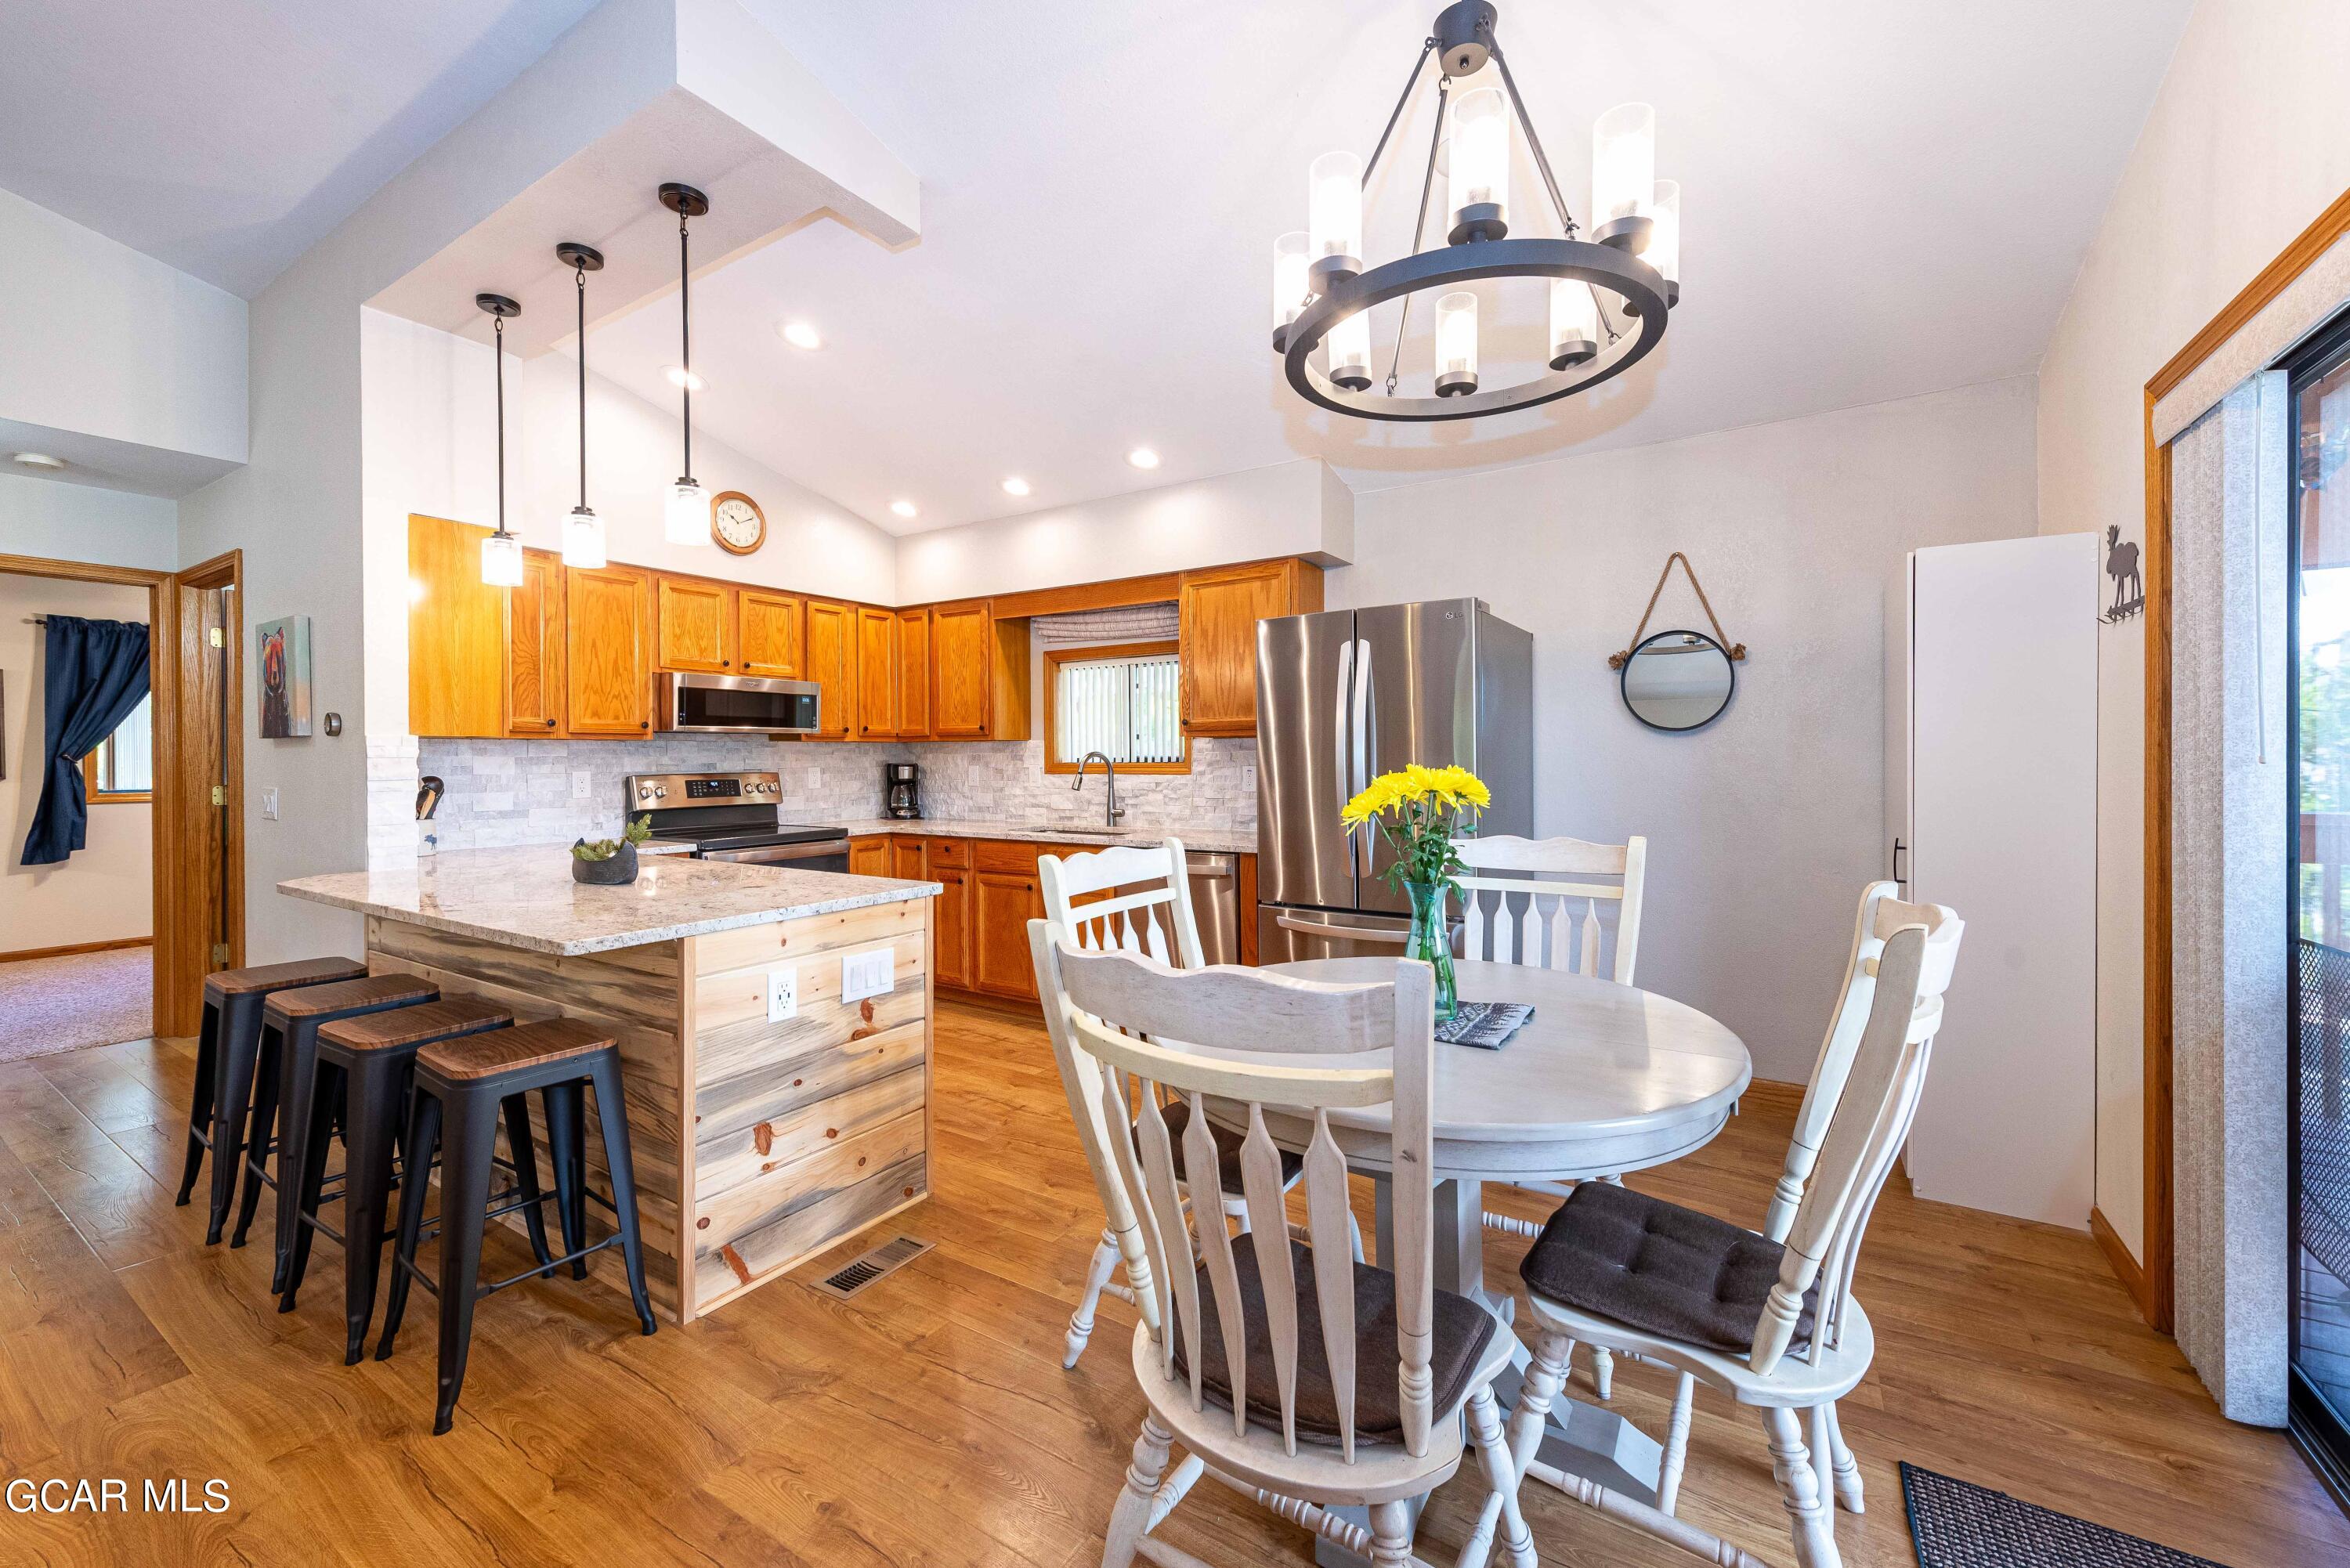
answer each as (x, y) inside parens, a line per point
(1542, 921)
(1241, 1040)
(1153, 915)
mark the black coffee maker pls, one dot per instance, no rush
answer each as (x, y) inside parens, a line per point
(901, 789)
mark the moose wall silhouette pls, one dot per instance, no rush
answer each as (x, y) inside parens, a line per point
(2129, 589)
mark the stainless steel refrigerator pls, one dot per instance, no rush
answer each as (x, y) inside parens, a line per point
(1344, 696)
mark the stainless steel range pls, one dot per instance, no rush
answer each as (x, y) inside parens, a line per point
(732, 816)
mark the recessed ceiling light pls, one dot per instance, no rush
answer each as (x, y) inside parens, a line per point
(903, 508)
(40, 460)
(1143, 457)
(1015, 486)
(679, 376)
(800, 334)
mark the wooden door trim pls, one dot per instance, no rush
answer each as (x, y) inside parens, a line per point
(2155, 1286)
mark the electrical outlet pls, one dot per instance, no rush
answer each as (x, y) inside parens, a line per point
(1248, 780)
(869, 973)
(782, 994)
(269, 805)
(581, 782)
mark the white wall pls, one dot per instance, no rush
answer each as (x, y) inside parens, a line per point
(1297, 508)
(104, 891)
(2247, 141)
(114, 345)
(1763, 828)
(77, 523)
(429, 443)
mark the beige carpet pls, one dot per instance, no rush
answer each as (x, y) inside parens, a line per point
(88, 999)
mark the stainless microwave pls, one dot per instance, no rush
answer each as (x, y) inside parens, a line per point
(735, 704)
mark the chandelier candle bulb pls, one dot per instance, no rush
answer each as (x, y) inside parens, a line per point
(1574, 323)
(1349, 347)
(1290, 287)
(1664, 252)
(1456, 344)
(1624, 176)
(1481, 167)
(1335, 219)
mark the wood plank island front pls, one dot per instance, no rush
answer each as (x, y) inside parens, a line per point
(756, 1144)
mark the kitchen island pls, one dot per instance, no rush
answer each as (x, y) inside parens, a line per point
(756, 1143)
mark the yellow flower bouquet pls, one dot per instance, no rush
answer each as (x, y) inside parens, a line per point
(1420, 810)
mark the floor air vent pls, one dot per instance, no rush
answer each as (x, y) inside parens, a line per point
(854, 1276)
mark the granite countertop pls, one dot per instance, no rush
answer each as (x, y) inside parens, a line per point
(1211, 840)
(526, 897)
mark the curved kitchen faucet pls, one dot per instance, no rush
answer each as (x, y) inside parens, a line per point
(1109, 771)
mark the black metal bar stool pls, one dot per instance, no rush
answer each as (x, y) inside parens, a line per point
(364, 1069)
(461, 1086)
(228, 1042)
(288, 1067)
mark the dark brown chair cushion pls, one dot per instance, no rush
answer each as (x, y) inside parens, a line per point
(1228, 1148)
(1463, 1329)
(1657, 1266)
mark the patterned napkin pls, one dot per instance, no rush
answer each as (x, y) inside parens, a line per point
(1487, 1026)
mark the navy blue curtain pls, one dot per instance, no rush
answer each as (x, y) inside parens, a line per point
(97, 673)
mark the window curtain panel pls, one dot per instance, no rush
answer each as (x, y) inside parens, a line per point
(2230, 861)
(96, 672)
(1127, 623)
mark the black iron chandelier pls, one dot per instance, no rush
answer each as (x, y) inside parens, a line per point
(1610, 295)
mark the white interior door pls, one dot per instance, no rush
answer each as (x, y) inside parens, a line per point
(2002, 790)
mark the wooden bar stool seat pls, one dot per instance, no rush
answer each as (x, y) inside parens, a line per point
(286, 1068)
(228, 1042)
(365, 1066)
(461, 1086)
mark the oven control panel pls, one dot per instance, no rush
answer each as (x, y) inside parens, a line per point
(665, 792)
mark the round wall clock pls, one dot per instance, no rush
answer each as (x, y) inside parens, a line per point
(736, 523)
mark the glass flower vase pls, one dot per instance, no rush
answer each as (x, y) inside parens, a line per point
(1431, 943)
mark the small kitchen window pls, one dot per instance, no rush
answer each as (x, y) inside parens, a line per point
(1123, 700)
(121, 768)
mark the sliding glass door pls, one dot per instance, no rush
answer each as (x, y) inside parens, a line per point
(2319, 1047)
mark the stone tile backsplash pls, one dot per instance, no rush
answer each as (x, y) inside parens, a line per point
(502, 792)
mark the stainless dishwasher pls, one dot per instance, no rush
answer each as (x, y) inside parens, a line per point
(1216, 904)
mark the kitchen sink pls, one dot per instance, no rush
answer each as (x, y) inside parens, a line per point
(1058, 831)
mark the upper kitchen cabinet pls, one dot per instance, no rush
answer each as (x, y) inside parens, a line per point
(768, 633)
(696, 618)
(830, 661)
(609, 647)
(457, 633)
(1219, 609)
(913, 674)
(534, 671)
(876, 673)
(979, 674)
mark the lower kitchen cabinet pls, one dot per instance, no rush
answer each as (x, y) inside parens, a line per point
(951, 927)
(869, 854)
(1002, 903)
(906, 857)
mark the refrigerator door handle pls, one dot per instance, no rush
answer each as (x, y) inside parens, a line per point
(1346, 678)
(1361, 730)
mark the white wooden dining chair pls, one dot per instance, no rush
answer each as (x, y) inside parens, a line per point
(1127, 899)
(1768, 1318)
(1285, 1367)
(1537, 902)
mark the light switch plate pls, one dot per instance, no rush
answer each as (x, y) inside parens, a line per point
(581, 782)
(782, 994)
(1248, 780)
(270, 805)
(869, 973)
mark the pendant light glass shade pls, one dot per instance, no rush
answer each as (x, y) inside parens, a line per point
(1623, 172)
(583, 538)
(685, 516)
(1349, 349)
(1456, 344)
(1290, 289)
(1574, 323)
(1335, 217)
(1480, 176)
(1664, 252)
(502, 561)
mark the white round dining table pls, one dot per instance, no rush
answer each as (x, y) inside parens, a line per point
(1603, 1078)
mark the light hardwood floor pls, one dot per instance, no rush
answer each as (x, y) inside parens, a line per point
(928, 1420)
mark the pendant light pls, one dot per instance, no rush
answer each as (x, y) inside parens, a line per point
(501, 552)
(583, 531)
(685, 519)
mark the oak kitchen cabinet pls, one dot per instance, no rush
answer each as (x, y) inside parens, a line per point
(768, 633)
(869, 854)
(696, 618)
(456, 632)
(877, 673)
(831, 662)
(913, 709)
(905, 857)
(608, 613)
(1219, 610)
(533, 655)
(978, 673)
(947, 862)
